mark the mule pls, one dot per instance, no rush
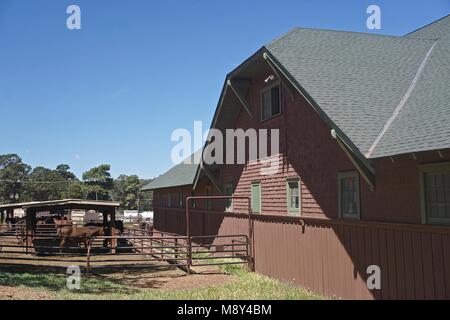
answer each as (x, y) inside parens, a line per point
(118, 226)
(85, 234)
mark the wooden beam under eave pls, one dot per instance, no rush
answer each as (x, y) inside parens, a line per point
(368, 176)
(274, 69)
(211, 178)
(241, 99)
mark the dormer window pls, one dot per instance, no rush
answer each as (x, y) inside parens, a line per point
(270, 102)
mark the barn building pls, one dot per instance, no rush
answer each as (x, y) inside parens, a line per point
(364, 163)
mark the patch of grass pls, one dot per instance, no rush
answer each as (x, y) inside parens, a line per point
(246, 285)
(57, 283)
(251, 286)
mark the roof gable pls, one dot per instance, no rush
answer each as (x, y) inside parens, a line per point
(388, 94)
(357, 79)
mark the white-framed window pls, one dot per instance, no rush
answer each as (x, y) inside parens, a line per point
(293, 196)
(349, 196)
(256, 197)
(435, 193)
(229, 202)
(271, 101)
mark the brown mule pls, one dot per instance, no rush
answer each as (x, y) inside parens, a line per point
(83, 235)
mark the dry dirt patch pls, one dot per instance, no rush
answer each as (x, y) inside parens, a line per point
(20, 293)
(169, 279)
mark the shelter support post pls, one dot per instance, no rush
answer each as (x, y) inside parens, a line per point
(30, 220)
(9, 213)
(113, 231)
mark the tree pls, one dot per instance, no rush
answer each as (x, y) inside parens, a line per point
(63, 170)
(76, 190)
(98, 182)
(146, 197)
(127, 191)
(13, 172)
(73, 188)
(44, 184)
(19, 182)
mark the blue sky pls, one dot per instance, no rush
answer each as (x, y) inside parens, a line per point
(114, 91)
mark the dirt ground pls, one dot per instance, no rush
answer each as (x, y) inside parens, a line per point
(132, 271)
(165, 277)
(14, 293)
(126, 270)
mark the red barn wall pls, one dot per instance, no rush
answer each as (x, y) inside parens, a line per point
(319, 250)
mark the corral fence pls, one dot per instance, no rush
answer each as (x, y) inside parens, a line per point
(134, 248)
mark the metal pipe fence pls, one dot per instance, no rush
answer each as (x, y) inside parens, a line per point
(135, 247)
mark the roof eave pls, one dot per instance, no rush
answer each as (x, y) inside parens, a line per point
(349, 144)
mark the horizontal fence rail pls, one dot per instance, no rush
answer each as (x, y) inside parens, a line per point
(134, 247)
(231, 249)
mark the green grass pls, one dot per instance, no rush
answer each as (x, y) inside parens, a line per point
(245, 286)
(56, 283)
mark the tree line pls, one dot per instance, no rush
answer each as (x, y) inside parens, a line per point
(19, 182)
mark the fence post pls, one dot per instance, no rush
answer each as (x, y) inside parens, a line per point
(151, 245)
(188, 237)
(251, 264)
(26, 241)
(88, 258)
(142, 244)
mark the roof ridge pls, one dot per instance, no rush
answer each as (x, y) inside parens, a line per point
(401, 103)
(427, 25)
(282, 36)
(347, 31)
(295, 29)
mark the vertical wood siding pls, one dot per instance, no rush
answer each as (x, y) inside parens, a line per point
(331, 257)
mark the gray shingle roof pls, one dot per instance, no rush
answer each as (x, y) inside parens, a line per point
(359, 81)
(182, 174)
(390, 95)
(424, 121)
